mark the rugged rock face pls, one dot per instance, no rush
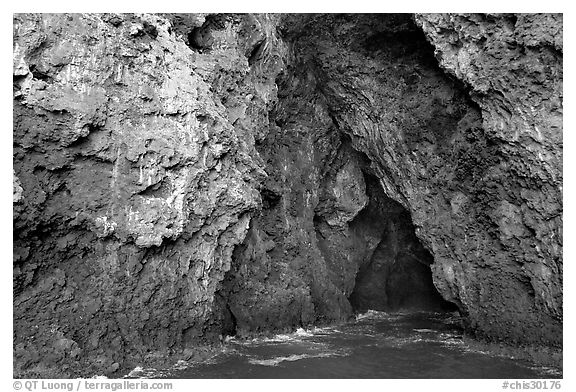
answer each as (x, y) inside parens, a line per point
(178, 177)
(513, 65)
(482, 184)
(135, 155)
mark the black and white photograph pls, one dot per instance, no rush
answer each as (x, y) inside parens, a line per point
(286, 195)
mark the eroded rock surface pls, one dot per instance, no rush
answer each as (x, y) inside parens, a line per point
(480, 178)
(179, 176)
(135, 177)
(513, 65)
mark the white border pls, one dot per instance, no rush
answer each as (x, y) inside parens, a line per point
(374, 6)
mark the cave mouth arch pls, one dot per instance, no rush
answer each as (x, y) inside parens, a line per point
(395, 273)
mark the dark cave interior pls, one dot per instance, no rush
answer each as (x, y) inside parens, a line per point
(319, 251)
(183, 177)
(395, 274)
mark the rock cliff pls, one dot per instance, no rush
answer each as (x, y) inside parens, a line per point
(180, 177)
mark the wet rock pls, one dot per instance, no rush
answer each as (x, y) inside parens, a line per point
(132, 184)
(178, 177)
(512, 64)
(469, 161)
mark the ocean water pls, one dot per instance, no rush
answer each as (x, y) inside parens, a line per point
(375, 345)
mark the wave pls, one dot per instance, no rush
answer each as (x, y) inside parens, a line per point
(372, 314)
(291, 358)
(140, 372)
(547, 370)
(297, 336)
(303, 332)
(180, 365)
(445, 339)
(274, 339)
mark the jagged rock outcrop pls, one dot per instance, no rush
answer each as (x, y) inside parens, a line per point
(477, 164)
(179, 176)
(281, 276)
(513, 67)
(135, 177)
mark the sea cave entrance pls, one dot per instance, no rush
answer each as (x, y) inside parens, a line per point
(394, 273)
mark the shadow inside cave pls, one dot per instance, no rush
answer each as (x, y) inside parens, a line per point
(394, 273)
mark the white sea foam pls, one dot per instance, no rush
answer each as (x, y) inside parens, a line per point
(324, 330)
(371, 314)
(303, 332)
(547, 370)
(443, 338)
(274, 339)
(451, 339)
(296, 336)
(140, 372)
(380, 315)
(180, 365)
(291, 358)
